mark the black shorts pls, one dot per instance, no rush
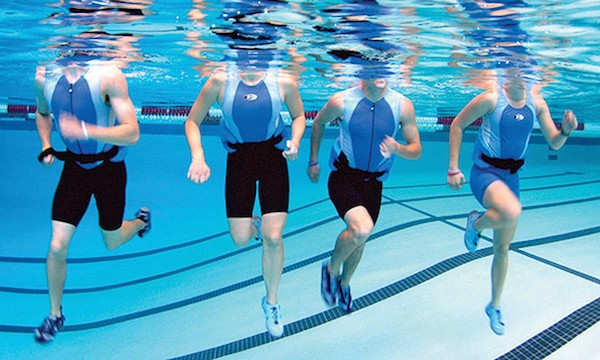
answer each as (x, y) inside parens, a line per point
(76, 187)
(349, 188)
(252, 163)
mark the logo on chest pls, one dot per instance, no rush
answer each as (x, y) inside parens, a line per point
(519, 117)
(250, 97)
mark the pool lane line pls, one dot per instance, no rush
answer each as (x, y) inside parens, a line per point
(429, 218)
(32, 260)
(449, 263)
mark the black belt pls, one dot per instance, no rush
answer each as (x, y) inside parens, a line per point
(271, 142)
(80, 158)
(342, 165)
(505, 164)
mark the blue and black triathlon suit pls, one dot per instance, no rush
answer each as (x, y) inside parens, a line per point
(254, 134)
(358, 167)
(501, 145)
(105, 180)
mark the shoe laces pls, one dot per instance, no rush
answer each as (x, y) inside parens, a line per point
(274, 314)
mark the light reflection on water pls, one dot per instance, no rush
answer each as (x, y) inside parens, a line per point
(440, 53)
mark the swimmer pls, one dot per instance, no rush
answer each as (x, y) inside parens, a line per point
(511, 108)
(360, 160)
(258, 146)
(96, 120)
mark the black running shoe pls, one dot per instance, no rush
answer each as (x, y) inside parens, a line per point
(144, 215)
(330, 286)
(49, 328)
(345, 299)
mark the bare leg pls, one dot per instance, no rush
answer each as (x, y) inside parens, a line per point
(115, 238)
(504, 210)
(241, 230)
(350, 243)
(56, 263)
(273, 252)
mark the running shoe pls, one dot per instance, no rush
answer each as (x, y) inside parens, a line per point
(144, 215)
(49, 328)
(330, 286)
(257, 223)
(345, 299)
(495, 316)
(471, 235)
(272, 318)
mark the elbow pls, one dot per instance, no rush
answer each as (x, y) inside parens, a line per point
(133, 138)
(416, 153)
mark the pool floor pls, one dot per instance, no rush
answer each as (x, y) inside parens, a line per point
(186, 291)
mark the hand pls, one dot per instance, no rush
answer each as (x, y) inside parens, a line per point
(70, 127)
(387, 146)
(199, 172)
(455, 182)
(313, 173)
(569, 122)
(291, 152)
(48, 160)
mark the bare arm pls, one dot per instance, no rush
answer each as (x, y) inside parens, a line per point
(199, 172)
(43, 120)
(476, 108)
(126, 132)
(294, 104)
(555, 138)
(413, 148)
(333, 109)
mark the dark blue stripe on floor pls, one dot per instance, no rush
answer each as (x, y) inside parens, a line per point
(557, 335)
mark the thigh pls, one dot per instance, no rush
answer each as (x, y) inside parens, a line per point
(274, 183)
(347, 192)
(482, 178)
(110, 183)
(72, 195)
(240, 187)
(501, 197)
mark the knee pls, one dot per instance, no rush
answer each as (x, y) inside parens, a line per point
(511, 215)
(58, 251)
(360, 232)
(272, 239)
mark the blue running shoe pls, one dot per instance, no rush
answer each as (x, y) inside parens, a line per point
(471, 235)
(345, 299)
(144, 215)
(257, 223)
(495, 316)
(49, 328)
(330, 286)
(272, 318)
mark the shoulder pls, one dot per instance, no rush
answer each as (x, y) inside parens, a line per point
(487, 100)
(287, 81)
(110, 75)
(217, 80)
(40, 77)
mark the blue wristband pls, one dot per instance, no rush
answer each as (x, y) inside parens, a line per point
(313, 163)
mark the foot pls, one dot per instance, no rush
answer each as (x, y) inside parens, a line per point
(471, 235)
(495, 316)
(49, 328)
(144, 215)
(272, 318)
(345, 299)
(257, 223)
(330, 286)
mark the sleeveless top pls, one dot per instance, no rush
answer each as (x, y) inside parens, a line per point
(363, 127)
(82, 99)
(505, 132)
(251, 113)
